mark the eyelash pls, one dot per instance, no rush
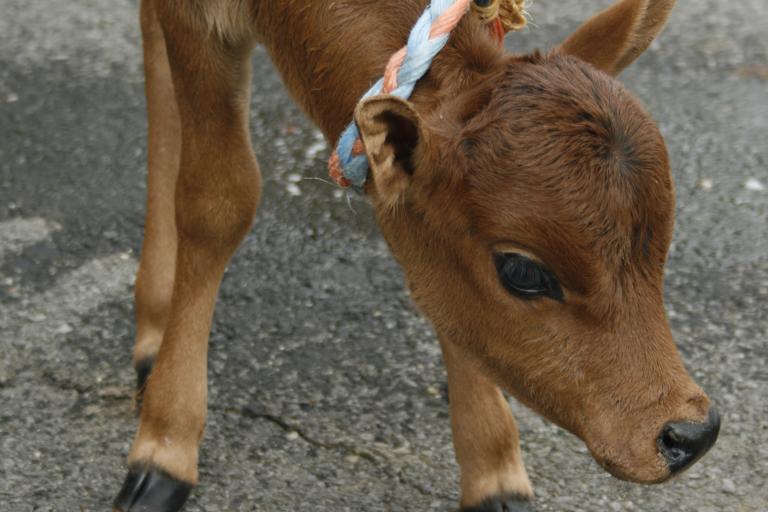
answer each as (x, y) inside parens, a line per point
(526, 279)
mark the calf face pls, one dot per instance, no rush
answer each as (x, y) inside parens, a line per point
(532, 215)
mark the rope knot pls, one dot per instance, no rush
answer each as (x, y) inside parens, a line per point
(511, 13)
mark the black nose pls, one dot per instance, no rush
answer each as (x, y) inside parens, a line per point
(684, 443)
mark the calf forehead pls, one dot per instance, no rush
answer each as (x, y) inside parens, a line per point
(566, 162)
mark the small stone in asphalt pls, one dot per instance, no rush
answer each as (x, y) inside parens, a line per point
(755, 185)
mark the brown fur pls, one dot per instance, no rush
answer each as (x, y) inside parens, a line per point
(545, 155)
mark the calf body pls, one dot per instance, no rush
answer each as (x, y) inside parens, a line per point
(528, 199)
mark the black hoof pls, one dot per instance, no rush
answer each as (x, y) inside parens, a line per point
(502, 504)
(151, 491)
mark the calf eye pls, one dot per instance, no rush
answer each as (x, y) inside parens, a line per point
(525, 278)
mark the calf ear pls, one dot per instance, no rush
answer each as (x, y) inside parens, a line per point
(391, 130)
(614, 38)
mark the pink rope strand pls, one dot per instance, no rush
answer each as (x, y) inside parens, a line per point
(444, 24)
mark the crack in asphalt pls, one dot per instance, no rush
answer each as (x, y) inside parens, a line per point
(421, 489)
(64, 385)
(375, 457)
(92, 391)
(251, 414)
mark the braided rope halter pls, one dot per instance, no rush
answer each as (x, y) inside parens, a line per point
(348, 165)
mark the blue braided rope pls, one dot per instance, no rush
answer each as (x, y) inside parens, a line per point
(421, 51)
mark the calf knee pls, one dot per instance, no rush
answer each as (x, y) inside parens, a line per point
(216, 204)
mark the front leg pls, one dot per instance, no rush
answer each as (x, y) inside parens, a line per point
(486, 440)
(216, 195)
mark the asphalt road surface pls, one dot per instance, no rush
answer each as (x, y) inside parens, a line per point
(327, 389)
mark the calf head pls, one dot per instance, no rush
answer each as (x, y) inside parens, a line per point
(532, 214)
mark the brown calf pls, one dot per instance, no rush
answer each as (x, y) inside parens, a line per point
(528, 199)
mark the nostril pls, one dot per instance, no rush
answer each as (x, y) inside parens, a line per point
(671, 445)
(683, 443)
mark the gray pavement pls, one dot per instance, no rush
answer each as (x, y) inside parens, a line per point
(327, 389)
